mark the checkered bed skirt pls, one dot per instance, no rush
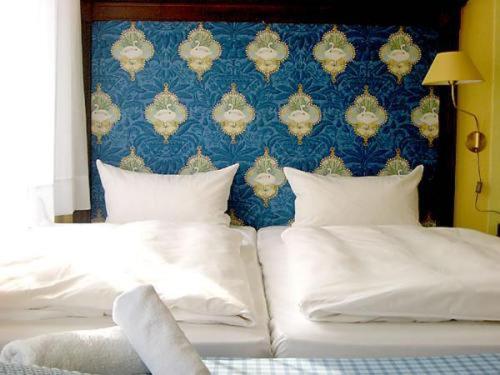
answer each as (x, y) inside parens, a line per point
(482, 364)
(458, 365)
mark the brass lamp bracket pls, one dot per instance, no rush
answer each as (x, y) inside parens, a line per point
(476, 142)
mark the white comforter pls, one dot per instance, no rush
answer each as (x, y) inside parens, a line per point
(386, 273)
(78, 270)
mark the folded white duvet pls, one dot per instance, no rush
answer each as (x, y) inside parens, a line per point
(394, 273)
(78, 270)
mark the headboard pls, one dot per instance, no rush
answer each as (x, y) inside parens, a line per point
(184, 87)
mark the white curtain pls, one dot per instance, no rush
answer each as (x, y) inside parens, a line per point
(71, 184)
(44, 150)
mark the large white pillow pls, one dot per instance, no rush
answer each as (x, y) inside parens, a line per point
(373, 200)
(133, 196)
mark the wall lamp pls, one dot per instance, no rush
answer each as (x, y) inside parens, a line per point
(452, 69)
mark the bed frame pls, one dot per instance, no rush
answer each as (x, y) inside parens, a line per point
(443, 14)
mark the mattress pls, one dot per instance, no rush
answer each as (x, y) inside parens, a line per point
(293, 335)
(209, 339)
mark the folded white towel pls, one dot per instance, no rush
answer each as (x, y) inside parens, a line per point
(155, 335)
(100, 351)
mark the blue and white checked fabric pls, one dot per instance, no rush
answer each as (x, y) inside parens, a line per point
(12, 369)
(482, 364)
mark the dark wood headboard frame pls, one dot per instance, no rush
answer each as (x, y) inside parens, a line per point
(445, 14)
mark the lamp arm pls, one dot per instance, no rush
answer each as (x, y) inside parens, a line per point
(454, 101)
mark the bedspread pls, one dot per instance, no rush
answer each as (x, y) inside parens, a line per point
(485, 364)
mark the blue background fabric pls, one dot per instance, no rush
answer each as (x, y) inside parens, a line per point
(266, 97)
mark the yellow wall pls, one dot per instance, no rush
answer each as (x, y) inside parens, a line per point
(479, 34)
(494, 219)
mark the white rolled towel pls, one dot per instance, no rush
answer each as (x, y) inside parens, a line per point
(155, 335)
(99, 351)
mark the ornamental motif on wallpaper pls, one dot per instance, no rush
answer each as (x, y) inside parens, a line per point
(200, 50)
(133, 162)
(198, 163)
(267, 51)
(400, 54)
(426, 117)
(300, 114)
(265, 177)
(166, 113)
(233, 113)
(366, 116)
(105, 114)
(132, 50)
(334, 52)
(332, 165)
(396, 165)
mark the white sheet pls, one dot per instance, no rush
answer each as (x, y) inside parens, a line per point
(209, 339)
(293, 335)
(395, 273)
(68, 271)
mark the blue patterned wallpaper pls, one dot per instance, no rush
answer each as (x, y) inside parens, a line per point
(179, 97)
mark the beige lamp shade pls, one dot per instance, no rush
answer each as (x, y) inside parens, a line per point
(452, 68)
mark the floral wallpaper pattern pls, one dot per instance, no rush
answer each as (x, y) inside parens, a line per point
(183, 97)
(105, 114)
(267, 51)
(400, 54)
(134, 163)
(166, 113)
(233, 113)
(396, 166)
(334, 52)
(426, 117)
(200, 50)
(265, 177)
(300, 114)
(332, 165)
(198, 163)
(366, 115)
(132, 50)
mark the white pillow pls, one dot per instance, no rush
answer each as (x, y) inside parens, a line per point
(331, 200)
(133, 196)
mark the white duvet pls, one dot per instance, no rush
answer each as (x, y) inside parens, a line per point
(78, 270)
(394, 273)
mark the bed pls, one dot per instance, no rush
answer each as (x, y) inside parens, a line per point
(209, 339)
(293, 335)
